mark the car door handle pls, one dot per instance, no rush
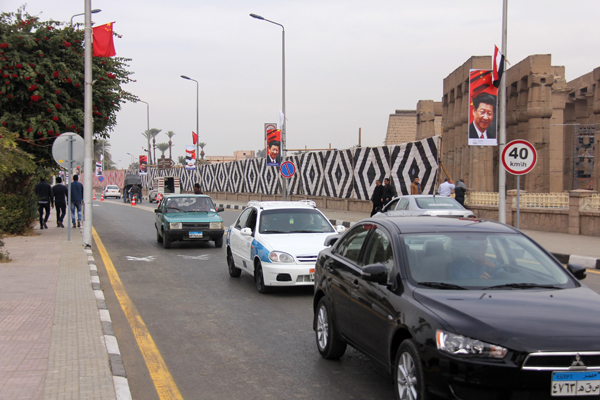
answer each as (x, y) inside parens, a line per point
(355, 284)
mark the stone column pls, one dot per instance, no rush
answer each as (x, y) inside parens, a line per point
(449, 139)
(596, 111)
(425, 120)
(458, 132)
(539, 111)
(558, 149)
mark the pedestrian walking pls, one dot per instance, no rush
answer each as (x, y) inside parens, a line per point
(377, 197)
(197, 189)
(43, 192)
(76, 200)
(415, 187)
(389, 191)
(460, 189)
(60, 195)
(445, 188)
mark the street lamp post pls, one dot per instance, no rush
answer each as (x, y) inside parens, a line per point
(197, 116)
(94, 11)
(283, 124)
(147, 129)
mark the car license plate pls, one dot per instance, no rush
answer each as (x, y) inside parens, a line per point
(585, 383)
(195, 235)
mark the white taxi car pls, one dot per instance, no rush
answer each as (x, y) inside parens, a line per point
(278, 242)
(112, 191)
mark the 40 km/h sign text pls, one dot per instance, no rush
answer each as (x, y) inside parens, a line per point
(519, 157)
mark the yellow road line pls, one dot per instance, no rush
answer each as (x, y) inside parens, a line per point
(163, 381)
(593, 272)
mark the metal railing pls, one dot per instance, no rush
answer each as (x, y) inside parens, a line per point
(527, 200)
(482, 198)
(592, 203)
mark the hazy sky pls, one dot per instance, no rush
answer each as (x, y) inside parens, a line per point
(349, 64)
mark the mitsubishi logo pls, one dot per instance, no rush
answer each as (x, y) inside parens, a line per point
(577, 363)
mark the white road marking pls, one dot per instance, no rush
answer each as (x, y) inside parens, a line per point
(203, 257)
(149, 258)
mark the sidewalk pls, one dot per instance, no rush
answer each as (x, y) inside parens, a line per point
(54, 326)
(578, 249)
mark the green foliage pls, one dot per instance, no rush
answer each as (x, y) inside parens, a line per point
(18, 211)
(4, 255)
(42, 83)
(13, 159)
(162, 147)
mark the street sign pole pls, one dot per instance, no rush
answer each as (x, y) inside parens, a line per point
(70, 140)
(519, 157)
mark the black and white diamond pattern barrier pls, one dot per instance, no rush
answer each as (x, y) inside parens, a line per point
(370, 164)
(415, 160)
(342, 174)
(337, 180)
(312, 173)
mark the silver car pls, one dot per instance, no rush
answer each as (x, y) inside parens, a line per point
(424, 204)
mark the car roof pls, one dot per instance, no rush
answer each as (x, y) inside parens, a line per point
(433, 224)
(186, 195)
(277, 205)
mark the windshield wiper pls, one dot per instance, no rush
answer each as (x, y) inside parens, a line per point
(523, 286)
(442, 285)
(175, 208)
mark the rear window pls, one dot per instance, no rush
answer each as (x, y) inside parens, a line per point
(438, 203)
(112, 187)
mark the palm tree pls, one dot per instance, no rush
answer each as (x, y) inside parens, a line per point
(162, 147)
(201, 145)
(102, 146)
(151, 134)
(170, 134)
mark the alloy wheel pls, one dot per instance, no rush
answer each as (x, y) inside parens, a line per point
(407, 377)
(322, 328)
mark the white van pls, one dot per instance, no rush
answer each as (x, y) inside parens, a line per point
(164, 185)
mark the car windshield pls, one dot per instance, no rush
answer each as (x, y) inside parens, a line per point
(189, 204)
(481, 261)
(293, 221)
(437, 203)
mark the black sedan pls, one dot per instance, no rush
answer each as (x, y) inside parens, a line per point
(458, 308)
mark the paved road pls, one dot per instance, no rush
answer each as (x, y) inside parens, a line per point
(219, 337)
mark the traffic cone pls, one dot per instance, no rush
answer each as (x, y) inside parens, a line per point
(133, 201)
(94, 196)
(102, 197)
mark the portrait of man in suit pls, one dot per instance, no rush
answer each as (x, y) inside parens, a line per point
(484, 110)
(273, 156)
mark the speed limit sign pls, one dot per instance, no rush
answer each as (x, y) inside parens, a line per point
(519, 157)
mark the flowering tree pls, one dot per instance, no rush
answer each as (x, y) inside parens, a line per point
(42, 83)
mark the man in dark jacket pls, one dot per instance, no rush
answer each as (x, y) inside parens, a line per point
(76, 200)
(43, 191)
(376, 198)
(60, 193)
(197, 189)
(389, 192)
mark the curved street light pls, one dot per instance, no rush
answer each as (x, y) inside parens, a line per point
(94, 11)
(197, 115)
(283, 124)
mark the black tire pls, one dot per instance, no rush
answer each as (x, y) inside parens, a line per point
(159, 238)
(234, 271)
(259, 279)
(166, 241)
(329, 343)
(219, 242)
(409, 380)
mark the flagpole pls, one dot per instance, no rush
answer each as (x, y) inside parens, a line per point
(88, 128)
(502, 135)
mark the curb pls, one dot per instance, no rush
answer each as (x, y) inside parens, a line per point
(117, 367)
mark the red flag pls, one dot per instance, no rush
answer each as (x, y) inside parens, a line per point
(194, 137)
(498, 66)
(103, 45)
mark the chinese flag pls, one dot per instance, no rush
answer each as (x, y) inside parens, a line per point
(194, 137)
(103, 45)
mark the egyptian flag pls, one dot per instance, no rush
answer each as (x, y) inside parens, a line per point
(194, 137)
(103, 45)
(498, 68)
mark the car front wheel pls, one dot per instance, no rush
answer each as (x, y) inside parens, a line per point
(219, 242)
(329, 344)
(408, 374)
(166, 241)
(259, 279)
(159, 238)
(234, 271)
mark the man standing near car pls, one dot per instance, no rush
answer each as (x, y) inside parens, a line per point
(459, 192)
(445, 188)
(389, 192)
(60, 193)
(76, 200)
(377, 197)
(415, 188)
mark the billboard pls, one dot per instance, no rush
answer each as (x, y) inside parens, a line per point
(483, 106)
(143, 163)
(272, 145)
(190, 157)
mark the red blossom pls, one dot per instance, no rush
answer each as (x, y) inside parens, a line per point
(5, 76)
(27, 78)
(57, 92)
(39, 133)
(67, 44)
(50, 132)
(29, 130)
(32, 65)
(55, 118)
(57, 134)
(77, 85)
(9, 96)
(4, 123)
(4, 45)
(35, 98)
(69, 80)
(58, 106)
(41, 55)
(49, 110)
(7, 83)
(55, 74)
(15, 76)
(20, 66)
(32, 88)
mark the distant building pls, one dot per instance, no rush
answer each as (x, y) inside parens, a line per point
(237, 155)
(409, 125)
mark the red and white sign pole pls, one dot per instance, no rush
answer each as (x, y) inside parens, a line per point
(519, 158)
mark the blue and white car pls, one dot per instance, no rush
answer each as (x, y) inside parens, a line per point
(278, 242)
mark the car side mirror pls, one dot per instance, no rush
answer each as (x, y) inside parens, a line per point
(578, 270)
(158, 211)
(340, 228)
(220, 209)
(246, 231)
(375, 273)
(330, 240)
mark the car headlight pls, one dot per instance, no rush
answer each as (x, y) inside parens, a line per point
(464, 346)
(278, 256)
(216, 225)
(175, 225)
